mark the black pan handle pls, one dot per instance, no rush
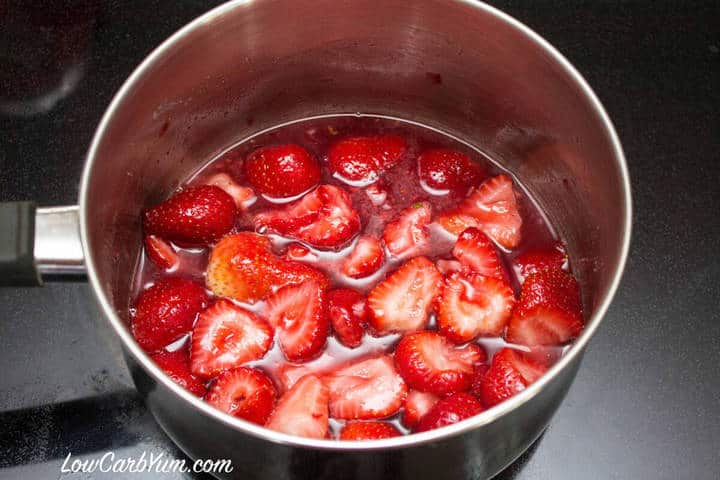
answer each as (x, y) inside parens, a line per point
(17, 244)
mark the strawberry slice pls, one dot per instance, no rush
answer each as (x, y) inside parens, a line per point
(347, 310)
(303, 410)
(360, 160)
(446, 267)
(324, 218)
(428, 362)
(161, 253)
(476, 251)
(176, 365)
(455, 222)
(243, 196)
(246, 393)
(534, 261)
(408, 236)
(368, 431)
(365, 389)
(166, 311)
(473, 305)
(365, 259)
(549, 311)
(282, 171)
(297, 312)
(444, 169)
(510, 373)
(226, 336)
(417, 404)
(298, 252)
(195, 216)
(451, 409)
(402, 302)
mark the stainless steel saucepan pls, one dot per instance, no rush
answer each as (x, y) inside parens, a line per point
(457, 65)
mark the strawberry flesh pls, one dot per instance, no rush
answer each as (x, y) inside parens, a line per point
(244, 197)
(368, 431)
(243, 392)
(451, 409)
(476, 251)
(347, 311)
(161, 253)
(365, 259)
(510, 373)
(176, 365)
(303, 410)
(417, 404)
(408, 236)
(534, 261)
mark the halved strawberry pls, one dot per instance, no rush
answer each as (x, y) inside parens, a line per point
(287, 374)
(451, 409)
(324, 218)
(417, 404)
(166, 311)
(347, 310)
(161, 253)
(455, 222)
(368, 431)
(365, 389)
(473, 305)
(408, 236)
(446, 267)
(365, 259)
(176, 365)
(533, 261)
(243, 196)
(226, 336)
(443, 169)
(549, 311)
(360, 160)
(303, 410)
(428, 362)
(510, 373)
(194, 216)
(244, 392)
(297, 312)
(282, 171)
(297, 251)
(402, 302)
(476, 251)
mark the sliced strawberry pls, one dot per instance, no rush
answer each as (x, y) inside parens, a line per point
(176, 365)
(303, 410)
(451, 409)
(282, 171)
(161, 253)
(477, 379)
(534, 261)
(377, 195)
(243, 196)
(417, 404)
(510, 373)
(368, 431)
(288, 374)
(194, 216)
(473, 305)
(297, 252)
(443, 169)
(246, 393)
(428, 362)
(476, 251)
(365, 389)
(365, 259)
(408, 236)
(347, 310)
(446, 267)
(226, 336)
(292, 273)
(360, 160)
(166, 311)
(402, 302)
(549, 311)
(455, 222)
(324, 218)
(297, 312)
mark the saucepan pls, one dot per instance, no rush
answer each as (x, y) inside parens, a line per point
(459, 66)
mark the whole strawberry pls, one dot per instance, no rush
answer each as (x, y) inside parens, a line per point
(282, 171)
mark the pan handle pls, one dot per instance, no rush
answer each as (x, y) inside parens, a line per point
(39, 244)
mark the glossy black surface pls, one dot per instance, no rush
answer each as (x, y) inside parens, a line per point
(645, 403)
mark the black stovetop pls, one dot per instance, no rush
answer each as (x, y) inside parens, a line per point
(645, 403)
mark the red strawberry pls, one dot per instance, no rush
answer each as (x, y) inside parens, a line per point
(534, 261)
(288, 374)
(365, 389)
(166, 311)
(365, 259)
(243, 196)
(451, 409)
(476, 251)
(360, 160)
(324, 218)
(194, 216)
(443, 169)
(297, 251)
(282, 171)
(297, 312)
(446, 267)
(510, 372)
(161, 253)
(376, 194)
(477, 379)
(402, 302)
(417, 404)
(549, 311)
(226, 336)
(473, 305)
(244, 392)
(368, 431)
(455, 222)
(303, 410)
(177, 366)
(348, 313)
(408, 235)
(428, 362)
